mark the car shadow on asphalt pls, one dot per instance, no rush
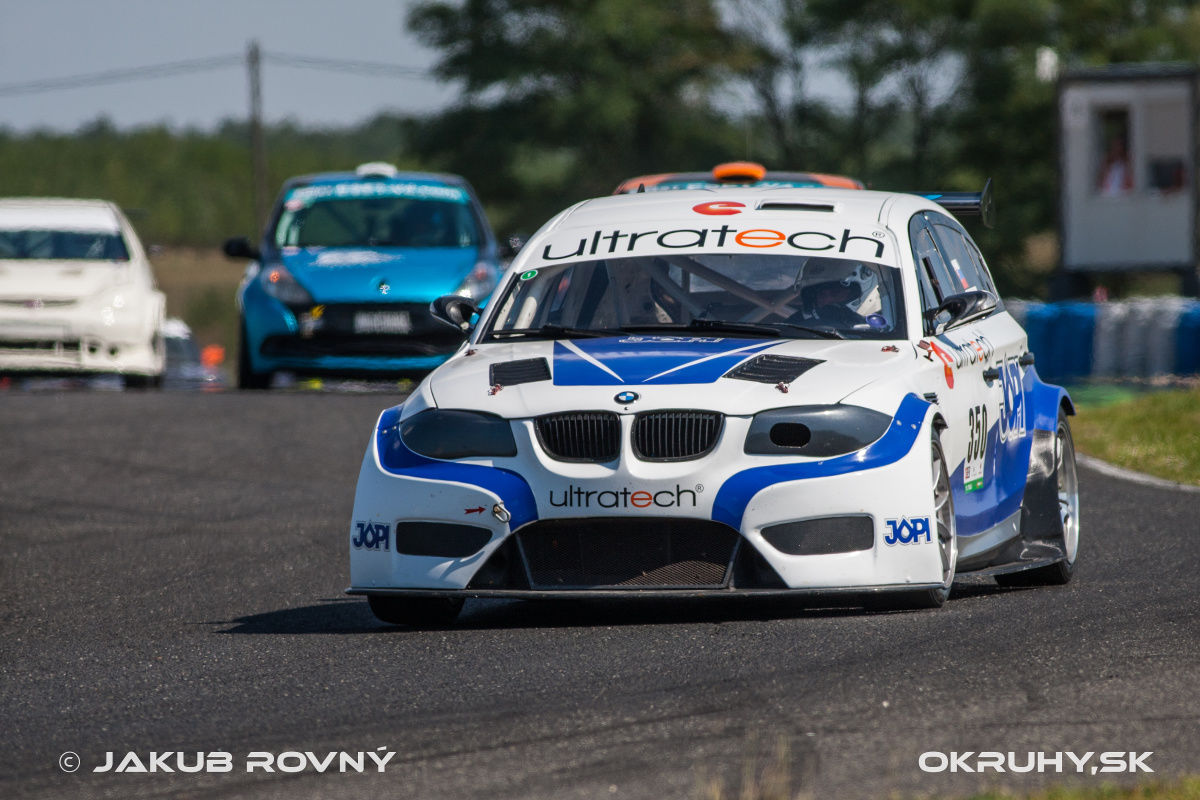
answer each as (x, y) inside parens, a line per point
(353, 616)
(331, 615)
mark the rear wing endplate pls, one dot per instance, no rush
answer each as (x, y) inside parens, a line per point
(967, 204)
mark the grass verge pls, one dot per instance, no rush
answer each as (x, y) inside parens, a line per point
(1157, 433)
(200, 285)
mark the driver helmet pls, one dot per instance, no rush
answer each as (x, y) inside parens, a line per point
(844, 283)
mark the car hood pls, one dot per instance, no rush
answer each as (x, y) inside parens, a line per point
(345, 274)
(665, 372)
(64, 281)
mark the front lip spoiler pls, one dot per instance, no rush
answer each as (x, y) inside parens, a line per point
(614, 594)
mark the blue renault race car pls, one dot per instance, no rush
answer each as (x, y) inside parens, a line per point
(347, 268)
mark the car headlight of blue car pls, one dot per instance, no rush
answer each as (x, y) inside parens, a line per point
(280, 284)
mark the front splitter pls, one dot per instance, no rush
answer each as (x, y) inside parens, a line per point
(613, 594)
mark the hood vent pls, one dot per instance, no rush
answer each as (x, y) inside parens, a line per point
(511, 373)
(777, 206)
(772, 369)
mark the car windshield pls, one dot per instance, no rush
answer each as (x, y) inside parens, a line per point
(737, 294)
(182, 350)
(376, 222)
(62, 245)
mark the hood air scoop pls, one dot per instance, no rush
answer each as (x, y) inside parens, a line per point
(772, 369)
(526, 370)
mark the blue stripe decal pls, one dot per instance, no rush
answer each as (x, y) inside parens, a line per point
(1045, 400)
(397, 459)
(736, 493)
(650, 360)
(1005, 470)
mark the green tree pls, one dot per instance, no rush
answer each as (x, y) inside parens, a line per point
(562, 100)
(944, 94)
(895, 57)
(1006, 121)
(794, 130)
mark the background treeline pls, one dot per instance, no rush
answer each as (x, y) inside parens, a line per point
(186, 187)
(563, 98)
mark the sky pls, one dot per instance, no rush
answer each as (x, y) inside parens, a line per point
(46, 39)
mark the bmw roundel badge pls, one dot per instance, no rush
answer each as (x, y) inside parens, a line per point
(625, 398)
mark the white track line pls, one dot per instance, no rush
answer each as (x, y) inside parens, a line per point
(1113, 471)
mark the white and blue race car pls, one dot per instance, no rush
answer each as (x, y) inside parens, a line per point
(747, 391)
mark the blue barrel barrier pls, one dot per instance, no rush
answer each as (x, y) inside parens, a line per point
(1187, 342)
(1136, 338)
(1076, 335)
(1041, 324)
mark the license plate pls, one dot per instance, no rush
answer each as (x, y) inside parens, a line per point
(33, 332)
(382, 322)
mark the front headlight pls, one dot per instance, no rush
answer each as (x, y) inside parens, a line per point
(480, 283)
(444, 433)
(279, 283)
(817, 431)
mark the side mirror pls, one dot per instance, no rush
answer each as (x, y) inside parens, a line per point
(510, 246)
(962, 307)
(454, 310)
(239, 247)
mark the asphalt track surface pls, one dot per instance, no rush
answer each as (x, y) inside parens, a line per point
(172, 575)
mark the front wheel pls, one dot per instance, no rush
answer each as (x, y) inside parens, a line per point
(143, 381)
(247, 378)
(416, 612)
(1066, 483)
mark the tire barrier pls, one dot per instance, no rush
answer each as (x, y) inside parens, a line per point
(1136, 338)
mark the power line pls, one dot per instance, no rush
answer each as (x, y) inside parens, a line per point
(206, 64)
(122, 75)
(344, 65)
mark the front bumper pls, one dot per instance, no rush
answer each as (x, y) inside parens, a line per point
(886, 486)
(67, 345)
(284, 338)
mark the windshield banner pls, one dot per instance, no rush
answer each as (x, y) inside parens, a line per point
(847, 243)
(306, 195)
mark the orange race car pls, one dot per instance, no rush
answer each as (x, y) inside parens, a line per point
(734, 173)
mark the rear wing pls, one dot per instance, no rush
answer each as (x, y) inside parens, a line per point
(967, 204)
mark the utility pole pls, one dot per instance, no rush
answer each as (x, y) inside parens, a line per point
(258, 150)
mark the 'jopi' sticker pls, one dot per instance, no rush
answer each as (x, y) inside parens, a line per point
(529, 274)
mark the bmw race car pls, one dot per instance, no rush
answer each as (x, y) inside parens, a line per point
(801, 391)
(348, 266)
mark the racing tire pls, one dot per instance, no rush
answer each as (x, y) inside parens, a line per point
(416, 612)
(247, 378)
(143, 381)
(947, 538)
(1066, 481)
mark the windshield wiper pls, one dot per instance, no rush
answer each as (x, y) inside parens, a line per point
(768, 328)
(556, 332)
(706, 325)
(824, 333)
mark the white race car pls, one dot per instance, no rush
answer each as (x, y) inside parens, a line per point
(76, 292)
(724, 391)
